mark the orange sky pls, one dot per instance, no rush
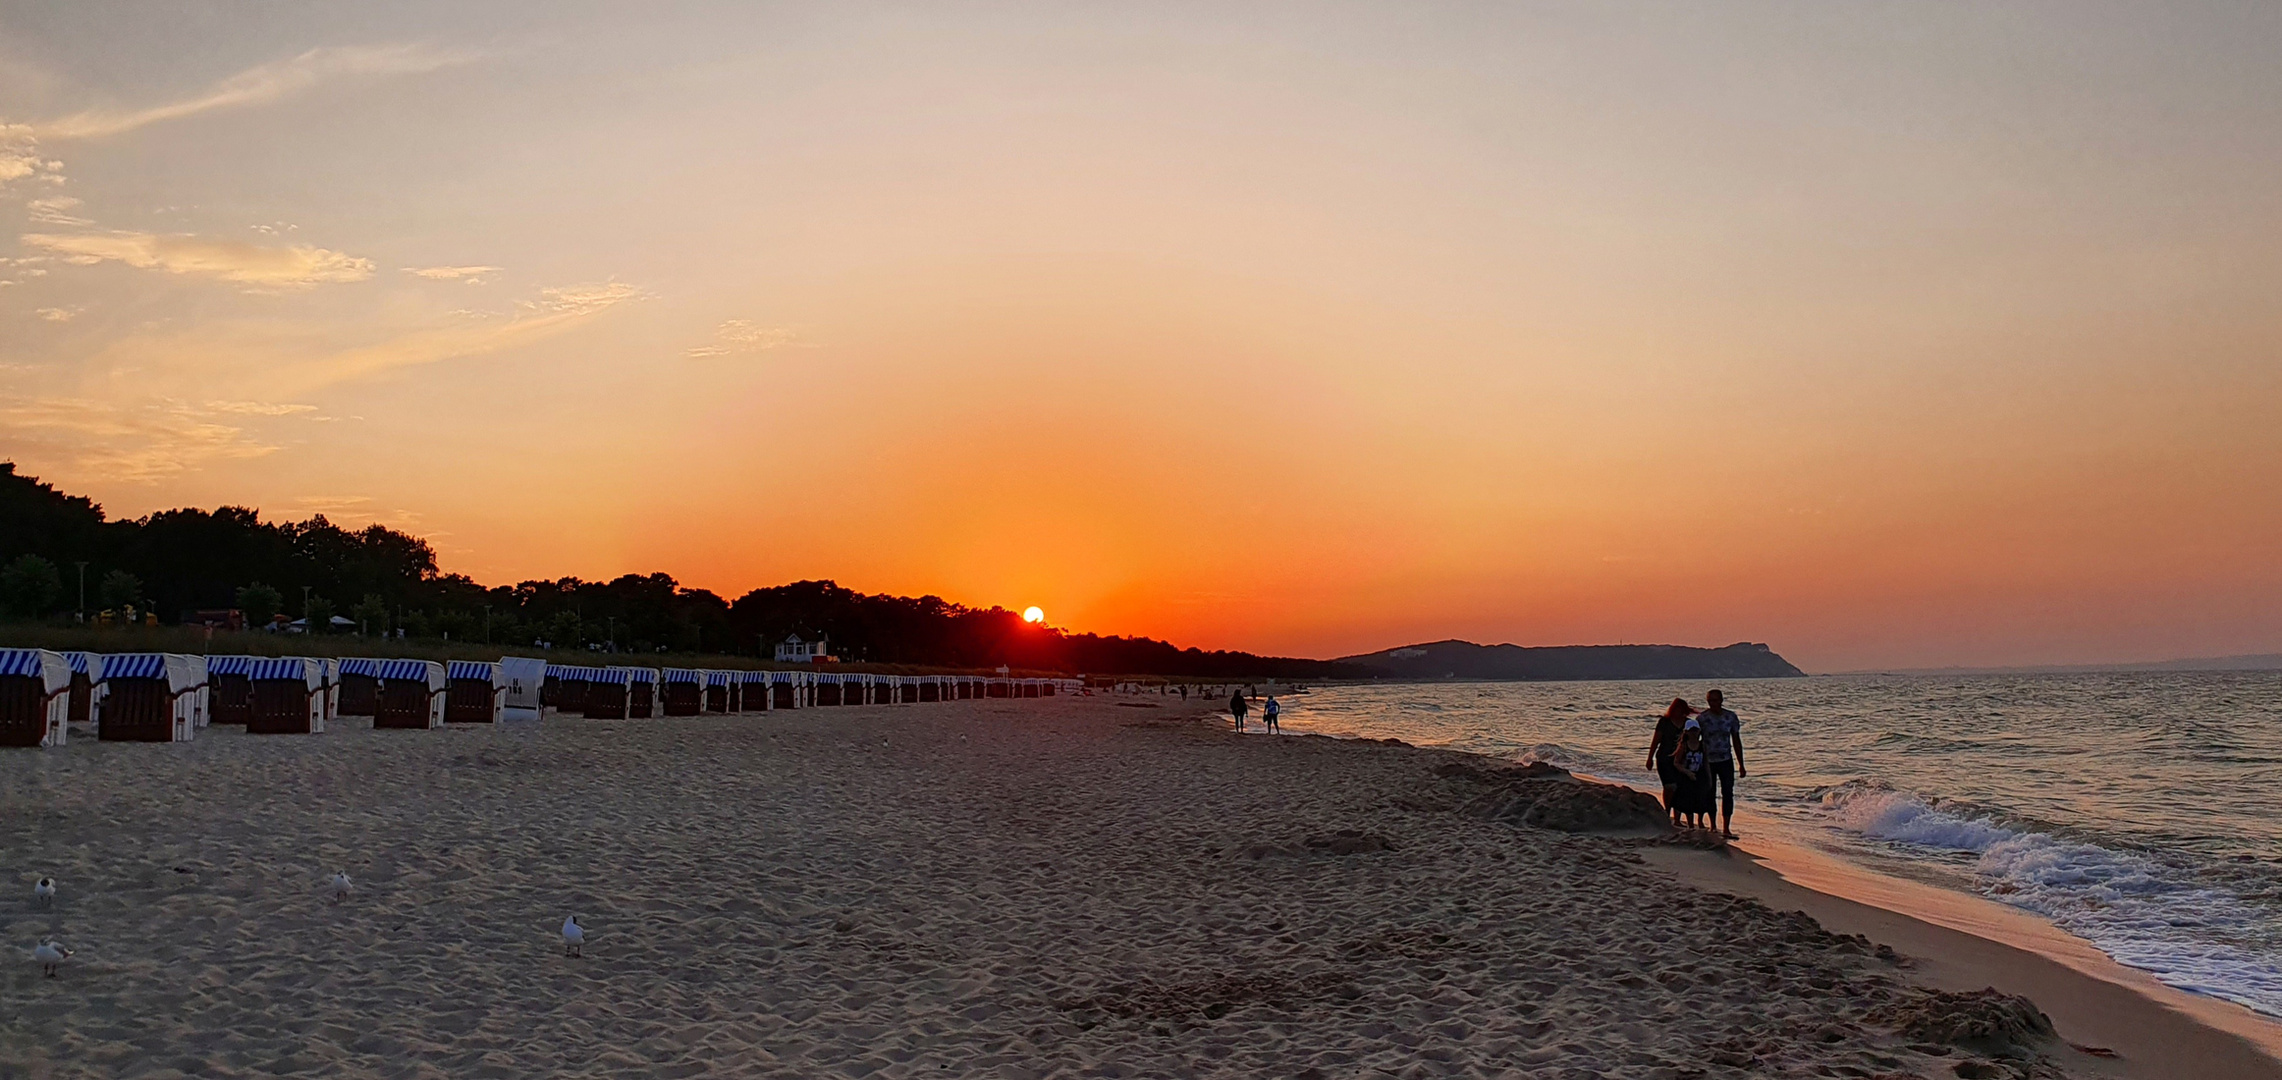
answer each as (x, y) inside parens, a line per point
(1888, 336)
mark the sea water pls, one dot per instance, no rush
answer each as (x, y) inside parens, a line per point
(2141, 812)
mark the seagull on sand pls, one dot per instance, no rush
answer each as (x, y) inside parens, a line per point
(43, 891)
(50, 956)
(574, 937)
(341, 886)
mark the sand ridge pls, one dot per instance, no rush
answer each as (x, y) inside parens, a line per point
(1019, 889)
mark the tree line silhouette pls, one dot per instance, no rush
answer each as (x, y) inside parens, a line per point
(177, 563)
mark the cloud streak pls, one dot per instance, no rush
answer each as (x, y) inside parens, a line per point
(260, 85)
(556, 310)
(741, 336)
(473, 275)
(228, 260)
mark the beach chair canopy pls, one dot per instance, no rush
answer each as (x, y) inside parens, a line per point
(53, 671)
(472, 669)
(302, 669)
(719, 678)
(360, 665)
(426, 672)
(684, 675)
(228, 665)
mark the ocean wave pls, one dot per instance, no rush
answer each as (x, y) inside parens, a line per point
(2137, 909)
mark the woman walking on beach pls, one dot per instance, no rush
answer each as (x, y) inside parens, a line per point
(1661, 747)
(1237, 707)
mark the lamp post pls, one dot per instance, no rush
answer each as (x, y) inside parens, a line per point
(82, 592)
(487, 624)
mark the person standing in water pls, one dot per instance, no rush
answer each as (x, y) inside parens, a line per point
(1270, 713)
(1723, 755)
(1237, 708)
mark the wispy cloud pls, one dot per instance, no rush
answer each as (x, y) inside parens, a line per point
(59, 314)
(260, 85)
(554, 311)
(258, 408)
(473, 275)
(21, 161)
(55, 210)
(741, 336)
(229, 260)
(121, 441)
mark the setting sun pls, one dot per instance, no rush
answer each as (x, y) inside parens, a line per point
(1033, 614)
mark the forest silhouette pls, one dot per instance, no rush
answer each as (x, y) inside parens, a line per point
(177, 563)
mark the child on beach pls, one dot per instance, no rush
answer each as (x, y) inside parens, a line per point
(1695, 790)
(1270, 714)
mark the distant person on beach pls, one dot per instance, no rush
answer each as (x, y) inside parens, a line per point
(1723, 755)
(1661, 747)
(1270, 713)
(1184, 691)
(1236, 706)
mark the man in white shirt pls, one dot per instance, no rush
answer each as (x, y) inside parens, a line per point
(1723, 755)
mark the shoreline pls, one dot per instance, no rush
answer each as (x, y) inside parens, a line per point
(1962, 943)
(1965, 942)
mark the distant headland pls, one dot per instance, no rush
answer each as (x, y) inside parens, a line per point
(1560, 663)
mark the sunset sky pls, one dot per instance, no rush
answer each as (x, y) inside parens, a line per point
(1888, 334)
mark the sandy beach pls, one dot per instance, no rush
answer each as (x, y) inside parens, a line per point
(1088, 887)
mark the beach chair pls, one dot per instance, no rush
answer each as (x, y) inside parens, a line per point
(525, 680)
(411, 694)
(230, 693)
(476, 695)
(35, 697)
(360, 687)
(145, 697)
(285, 696)
(682, 692)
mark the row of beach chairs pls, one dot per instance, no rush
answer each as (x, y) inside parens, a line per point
(169, 697)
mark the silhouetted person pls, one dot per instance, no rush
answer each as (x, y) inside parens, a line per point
(1661, 747)
(1723, 755)
(1236, 705)
(1270, 714)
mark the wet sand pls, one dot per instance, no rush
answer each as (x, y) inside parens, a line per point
(1063, 887)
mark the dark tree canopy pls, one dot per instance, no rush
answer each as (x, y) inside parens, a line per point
(185, 561)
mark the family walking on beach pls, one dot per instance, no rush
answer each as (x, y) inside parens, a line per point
(1696, 752)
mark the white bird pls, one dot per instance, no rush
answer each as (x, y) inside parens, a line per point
(574, 937)
(341, 886)
(43, 891)
(50, 957)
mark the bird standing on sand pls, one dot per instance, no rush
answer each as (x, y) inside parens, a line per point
(341, 886)
(50, 957)
(43, 891)
(574, 937)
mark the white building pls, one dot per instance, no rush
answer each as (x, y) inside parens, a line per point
(795, 650)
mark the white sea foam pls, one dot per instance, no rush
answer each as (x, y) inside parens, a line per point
(2134, 908)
